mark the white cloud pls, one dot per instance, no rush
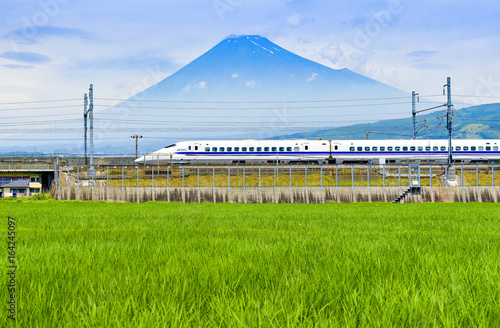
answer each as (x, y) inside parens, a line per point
(187, 88)
(201, 85)
(313, 77)
(234, 76)
(250, 84)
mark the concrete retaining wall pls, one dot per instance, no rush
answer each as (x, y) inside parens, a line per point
(278, 195)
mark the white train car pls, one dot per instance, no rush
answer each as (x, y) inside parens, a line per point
(323, 151)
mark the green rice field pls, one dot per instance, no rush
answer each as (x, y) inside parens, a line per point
(88, 264)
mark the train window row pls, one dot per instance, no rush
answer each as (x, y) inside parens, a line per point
(250, 149)
(427, 148)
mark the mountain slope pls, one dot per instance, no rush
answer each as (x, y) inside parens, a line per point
(476, 122)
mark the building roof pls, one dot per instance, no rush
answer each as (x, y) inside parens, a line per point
(17, 184)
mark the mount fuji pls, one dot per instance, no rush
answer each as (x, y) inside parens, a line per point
(244, 87)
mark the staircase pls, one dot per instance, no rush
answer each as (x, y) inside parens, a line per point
(410, 190)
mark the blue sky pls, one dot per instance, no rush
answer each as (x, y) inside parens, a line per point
(53, 49)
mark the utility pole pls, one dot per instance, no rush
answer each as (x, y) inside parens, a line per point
(449, 114)
(414, 112)
(136, 137)
(85, 104)
(91, 116)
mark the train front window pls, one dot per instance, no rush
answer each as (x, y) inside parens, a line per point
(172, 145)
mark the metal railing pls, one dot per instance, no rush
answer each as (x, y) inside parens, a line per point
(273, 176)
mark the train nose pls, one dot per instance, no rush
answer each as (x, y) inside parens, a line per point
(140, 160)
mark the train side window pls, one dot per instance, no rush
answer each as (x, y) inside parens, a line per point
(382, 148)
(307, 147)
(389, 148)
(243, 148)
(495, 148)
(236, 148)
(296, 148)
(374, 148)
(466, 147)
(412, 148)
(274, 148)
(221, 149)
(360, 148)
(252, 149)
(458, 148)
(352, 148)
(435, 148)
(266, 148)
(427, 148)
(282, 148)
(367, 148)
(214, 148)
(473, 148)
(420, 148)
(443, 148)
(398, 148)
(207, 148)
(259, 148)
(405, 148)
(336, 147)
(481, 148)
(488, 148)
(288, 148)
(229, 149)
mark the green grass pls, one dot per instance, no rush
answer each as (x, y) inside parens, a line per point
(86, 264)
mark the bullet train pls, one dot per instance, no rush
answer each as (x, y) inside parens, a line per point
(323, 151)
